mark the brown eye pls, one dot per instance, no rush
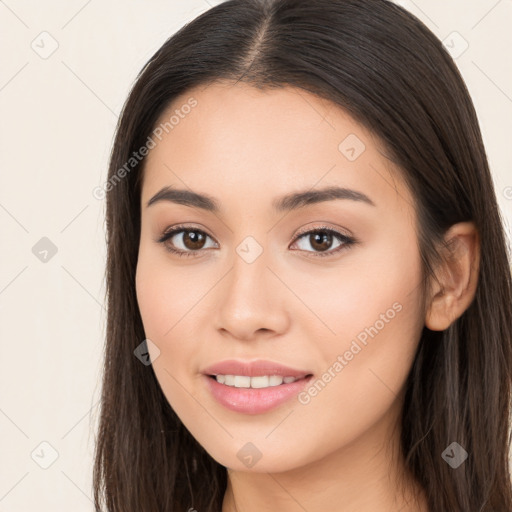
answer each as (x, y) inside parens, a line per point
(193, 240)
(184, 242)
(321, 240)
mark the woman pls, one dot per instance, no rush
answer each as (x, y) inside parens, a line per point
(308, 281)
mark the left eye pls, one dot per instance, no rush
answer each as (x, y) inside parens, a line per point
(320, 238)
(193, 241)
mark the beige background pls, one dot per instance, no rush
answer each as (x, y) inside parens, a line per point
(58, 114)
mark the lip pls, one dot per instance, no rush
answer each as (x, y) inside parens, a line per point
(254, 400)
(253, 369)
(257, 400)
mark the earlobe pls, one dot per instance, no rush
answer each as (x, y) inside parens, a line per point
(457, 277)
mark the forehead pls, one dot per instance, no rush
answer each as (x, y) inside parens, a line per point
(265, 142)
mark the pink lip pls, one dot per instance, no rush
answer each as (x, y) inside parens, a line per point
(254, 400)
(253, 369)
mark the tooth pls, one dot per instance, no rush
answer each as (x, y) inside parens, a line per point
(275, 380)
(259, 382)
(242, 381)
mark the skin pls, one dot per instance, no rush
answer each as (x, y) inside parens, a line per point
(246, 147)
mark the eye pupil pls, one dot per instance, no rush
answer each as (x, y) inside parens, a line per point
(195, 238)
(323, 237)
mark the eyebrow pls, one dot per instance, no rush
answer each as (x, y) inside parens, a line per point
(293, 201)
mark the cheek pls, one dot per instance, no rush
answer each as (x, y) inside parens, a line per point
(166, 293)
(366, 283)
(162, 304)
(154, 298)
(374, 311)
(171, 298)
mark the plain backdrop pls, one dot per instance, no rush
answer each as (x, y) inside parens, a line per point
(66, 69)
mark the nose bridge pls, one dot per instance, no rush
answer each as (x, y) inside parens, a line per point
(250, 249)
(249, 271)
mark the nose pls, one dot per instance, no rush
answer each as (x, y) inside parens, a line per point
(251, 301)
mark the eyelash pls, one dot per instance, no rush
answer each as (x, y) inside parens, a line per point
(346, 240)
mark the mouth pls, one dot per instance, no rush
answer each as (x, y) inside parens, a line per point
(256, 394)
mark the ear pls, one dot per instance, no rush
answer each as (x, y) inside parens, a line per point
(456, 280)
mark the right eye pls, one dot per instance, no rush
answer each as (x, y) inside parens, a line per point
(191, 239)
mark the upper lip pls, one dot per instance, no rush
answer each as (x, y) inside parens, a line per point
(253, 369)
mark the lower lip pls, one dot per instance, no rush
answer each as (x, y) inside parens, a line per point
(254, 400)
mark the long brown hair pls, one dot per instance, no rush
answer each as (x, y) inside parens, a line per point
(384, 67)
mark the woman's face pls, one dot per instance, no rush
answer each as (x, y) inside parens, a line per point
(341, 307)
